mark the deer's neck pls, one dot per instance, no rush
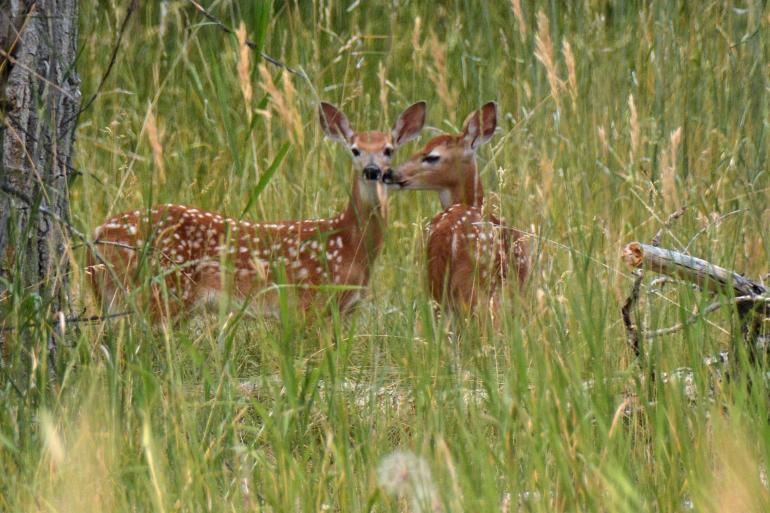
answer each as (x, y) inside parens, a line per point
(364, 221)
(468, 191)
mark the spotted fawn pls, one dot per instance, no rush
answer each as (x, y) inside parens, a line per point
(469, 254)
(199, 255)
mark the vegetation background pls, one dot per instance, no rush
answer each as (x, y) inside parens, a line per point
(612, 115)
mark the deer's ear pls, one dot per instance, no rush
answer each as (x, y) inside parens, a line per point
(409, 124)
(334, 123)
(480, 126)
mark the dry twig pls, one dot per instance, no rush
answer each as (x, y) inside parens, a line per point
(73, 232)
(113, 57)
(70, 320)
(632, 334)
(251, 44)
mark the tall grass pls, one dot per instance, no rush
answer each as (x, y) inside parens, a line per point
(611, 115)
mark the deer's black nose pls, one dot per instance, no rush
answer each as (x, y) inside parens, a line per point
(389, 176)
(372, 173)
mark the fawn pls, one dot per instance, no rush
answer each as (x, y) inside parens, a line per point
(200, 255)
(468, 254)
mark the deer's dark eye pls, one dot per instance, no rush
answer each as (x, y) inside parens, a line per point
(388, 152)
(431, 159)
(356, 152)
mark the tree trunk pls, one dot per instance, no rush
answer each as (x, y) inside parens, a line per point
(39, 102)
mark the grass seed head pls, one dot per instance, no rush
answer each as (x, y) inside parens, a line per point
(153, 135)
(243, 68)
(517, 12)
(544, 53)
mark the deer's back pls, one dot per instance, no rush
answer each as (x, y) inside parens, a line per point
(469, 256)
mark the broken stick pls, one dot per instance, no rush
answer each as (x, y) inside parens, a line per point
(704, 274)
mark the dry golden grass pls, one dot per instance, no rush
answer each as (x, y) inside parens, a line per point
(544, 53)
(244, 76)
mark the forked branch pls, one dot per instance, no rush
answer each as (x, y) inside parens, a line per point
(748, 295)
(632, 334)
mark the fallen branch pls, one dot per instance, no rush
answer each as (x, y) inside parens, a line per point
(706, 275)
(695, 317)
(632, 334)
(751, 299)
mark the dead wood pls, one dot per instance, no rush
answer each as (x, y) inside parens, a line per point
(751, 299)
(632, 334)
(706, 275)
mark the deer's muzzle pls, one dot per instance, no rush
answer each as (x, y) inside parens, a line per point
(372, 172)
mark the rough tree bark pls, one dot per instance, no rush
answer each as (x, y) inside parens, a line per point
(39, 102)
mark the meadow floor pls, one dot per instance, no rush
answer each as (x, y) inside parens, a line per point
(611, 116)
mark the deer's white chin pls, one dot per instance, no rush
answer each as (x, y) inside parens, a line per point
(372, 192)
(445, 196)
